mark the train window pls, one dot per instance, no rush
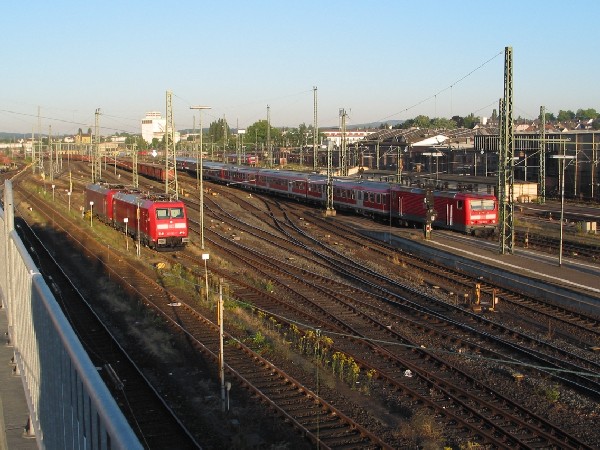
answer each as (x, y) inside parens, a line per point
(162, 213)
(378, 198)
(482, 205)
(177, 213)
(459, 204)
(360, 195)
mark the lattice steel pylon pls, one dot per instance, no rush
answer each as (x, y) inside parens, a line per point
(506, 169)
(542, 144)
(171, 186)
(315, 131)
(97, 157)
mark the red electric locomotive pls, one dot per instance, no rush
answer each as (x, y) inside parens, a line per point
(162, 223)
(155, 220)
(467, 212)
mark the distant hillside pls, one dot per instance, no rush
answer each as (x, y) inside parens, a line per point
(4, 136)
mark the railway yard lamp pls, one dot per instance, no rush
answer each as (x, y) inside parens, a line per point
(139, 241)
(126, 220)
(91, 213)
(562, 166)
(69, 196)
(199, 175)
(53, 186)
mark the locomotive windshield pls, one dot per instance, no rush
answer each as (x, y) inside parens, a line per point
(482, 205)
(169, 213)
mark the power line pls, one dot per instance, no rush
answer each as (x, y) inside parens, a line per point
(445, 89)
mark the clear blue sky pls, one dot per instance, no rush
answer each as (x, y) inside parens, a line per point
(380, 60)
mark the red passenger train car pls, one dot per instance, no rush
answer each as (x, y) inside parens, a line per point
(467, 212)
(157, 221)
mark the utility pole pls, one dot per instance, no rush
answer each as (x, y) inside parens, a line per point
(171, 186)
(33, 162)
(199, 174)
(542, 147)
(269, 148)
(329, 211)
(135, 178)
(315, 131)
(50, 153)
(40, 151)
(221, 346)
(344, 149)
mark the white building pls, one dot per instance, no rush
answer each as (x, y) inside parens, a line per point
(352, 137)
(153, 126)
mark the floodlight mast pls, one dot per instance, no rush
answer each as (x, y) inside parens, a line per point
(199, 175)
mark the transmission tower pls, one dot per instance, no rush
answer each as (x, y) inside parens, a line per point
(506, 172)
(171, 187)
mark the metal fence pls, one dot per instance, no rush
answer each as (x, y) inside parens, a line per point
(70, 407)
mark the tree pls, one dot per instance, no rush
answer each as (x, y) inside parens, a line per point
(217, 131)
(586, 114)
(565, 115)
(422, 121)
(470, 121)
(258, 132)
(550, 117)
(459, 121)
(442, 123)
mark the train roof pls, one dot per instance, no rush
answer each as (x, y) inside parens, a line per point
(103, 188)
(361, 185)
(147, 200)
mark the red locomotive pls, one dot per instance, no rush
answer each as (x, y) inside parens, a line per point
(155, 220)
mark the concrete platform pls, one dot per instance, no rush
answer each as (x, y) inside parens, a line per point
(13, 406)
(574, 283)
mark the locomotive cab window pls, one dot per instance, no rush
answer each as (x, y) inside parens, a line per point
(482, 205)
(459, 204)
(176, 213)
(162, 213)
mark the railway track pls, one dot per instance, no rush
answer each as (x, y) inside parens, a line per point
(315, 419)
(263, 257)
(280, 231)
(151, 418)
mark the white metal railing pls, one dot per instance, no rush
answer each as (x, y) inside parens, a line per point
(69, 404)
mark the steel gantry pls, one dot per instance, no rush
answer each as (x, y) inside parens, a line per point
(506, 169)
(171, 187)
(315, 130)
(97, 157)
